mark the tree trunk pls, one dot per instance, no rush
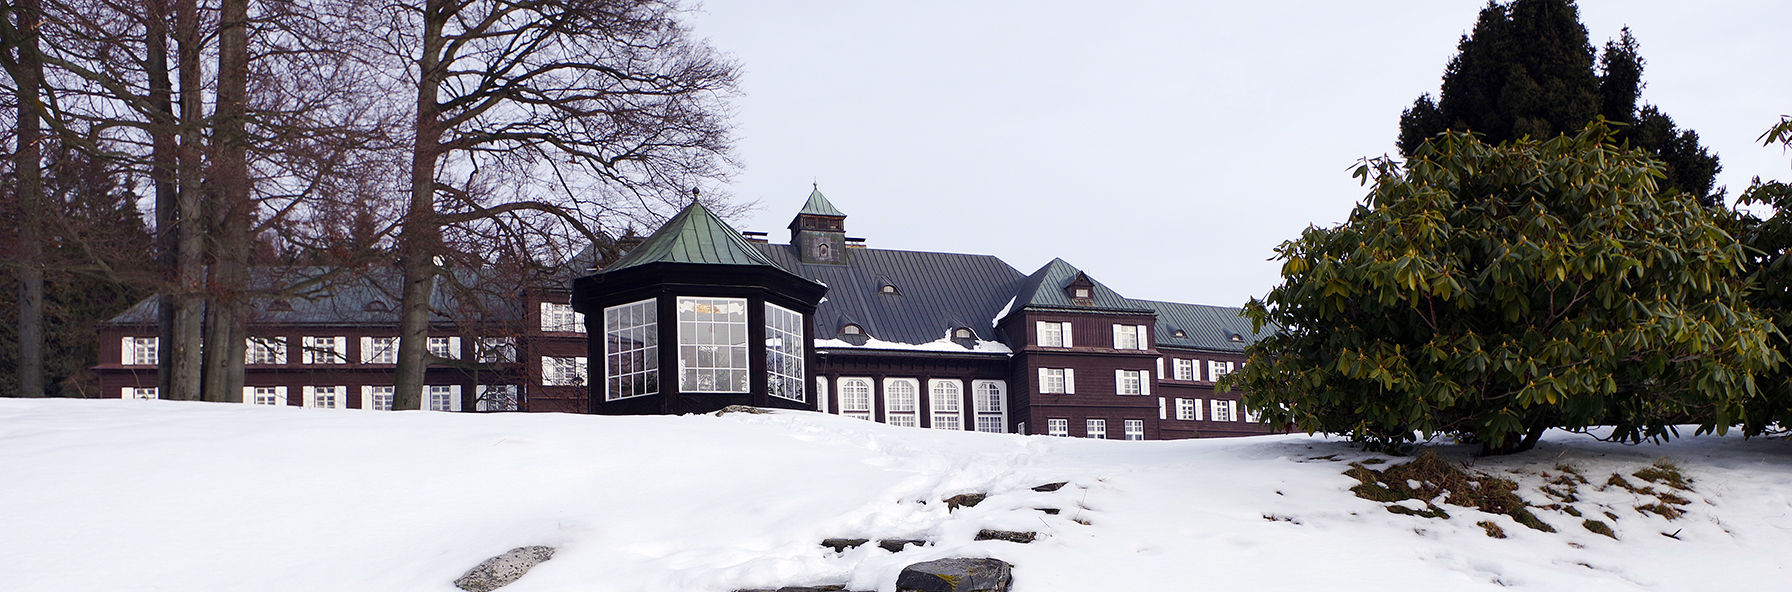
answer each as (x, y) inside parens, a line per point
(189, 292)
(420, 238)
(161, 175)
(232, 209)
(28, 163)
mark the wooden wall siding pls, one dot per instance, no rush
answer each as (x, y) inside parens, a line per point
(834, 366)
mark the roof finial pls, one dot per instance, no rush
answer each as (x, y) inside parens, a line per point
(693, 194)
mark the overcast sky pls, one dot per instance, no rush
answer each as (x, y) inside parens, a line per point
(1163, 147)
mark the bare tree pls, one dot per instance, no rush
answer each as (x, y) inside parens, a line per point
(19, 34)
(579, 108)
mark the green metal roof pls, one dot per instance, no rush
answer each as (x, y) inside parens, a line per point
(695, 235)
(1045, 289)
(819, 206)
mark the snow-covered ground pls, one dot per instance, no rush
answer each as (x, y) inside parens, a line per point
(154, 495)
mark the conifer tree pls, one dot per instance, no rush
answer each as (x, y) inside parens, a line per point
(1527, 69)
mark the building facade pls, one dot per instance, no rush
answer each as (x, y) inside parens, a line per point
(698, 316)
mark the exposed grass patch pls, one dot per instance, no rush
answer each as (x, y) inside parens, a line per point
(1493, 530)
(1600, 528)
(1665, 510)
(1428, 476)
(1664, 472)
(1430, 511)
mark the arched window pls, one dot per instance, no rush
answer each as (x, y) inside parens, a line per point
(851, 329)
(946, 399)
(855, 398)
(901, 397)
(888, 289)
(963, 333)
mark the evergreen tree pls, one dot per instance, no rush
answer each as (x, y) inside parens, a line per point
(1527, 70)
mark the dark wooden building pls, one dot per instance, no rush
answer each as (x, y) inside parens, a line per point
(928, 340)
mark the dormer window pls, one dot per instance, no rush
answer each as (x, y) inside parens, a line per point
(1235, 338)
(1179, 334)
(279, 306)
(888, 289)
(962, 333)
(1079, 293)
(851, 329)
(376, 306)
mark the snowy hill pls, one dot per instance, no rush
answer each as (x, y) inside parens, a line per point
(153, 495)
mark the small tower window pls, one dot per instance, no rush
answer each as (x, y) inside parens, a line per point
(851, 329)
(962, 333)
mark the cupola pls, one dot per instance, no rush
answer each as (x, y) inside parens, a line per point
(819, 231)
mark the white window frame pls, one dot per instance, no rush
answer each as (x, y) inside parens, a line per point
(265, 395)
(1132, 382)
(851, 405)
(496, 350)
(561, 318)
(379, 350)
(1217, 369)
(258, 351)
(563, 370)
(635, 371)
(1057, 381)
(1224, 410)
(1186, 370)
(496, 397)
(1059, 330)
(1096, 429)
(1131, 337)
(1134, 429)
(821, 394)
(902, 402)
(370, 397)
(1188, 409)
(314, 397)
(946, 398)
(784, 348)
(324, 350)
(725, 373)
(139, 392)
(989, 402)
(432, 394)
(140, 351)
(1057, 427)
(447, 348)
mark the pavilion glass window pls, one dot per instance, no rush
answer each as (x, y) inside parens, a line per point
(784, 352)
(712, 345)
(631, 350)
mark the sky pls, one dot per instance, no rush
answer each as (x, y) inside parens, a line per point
(1165, 148)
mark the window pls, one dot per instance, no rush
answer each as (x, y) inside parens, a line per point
(1135, 429)
(377, 398)
(851, 329)
(1057, 427)
(447, 348)
(265, 395)
(496, 397)
(855, 398)
(323, 397)
(712, 345)
(1131, 337)
(568, 371)
(962, 333)
(1053, 333)
(265, 350)
(946, 398)
(139, 351)
(784, 353)
(379, 350)
(1188, 409)
(887, 289)
(139, 392)
(1223, 410)
(497, 350)
(1096, 428)
(1185, 370)
(1080, 293)
(1057, 380)
(1132, 382)
(631, 350)
(1217, 369)
(442, 398)
(990, 400)
(901, 396)
(325, 350)
(556, 317)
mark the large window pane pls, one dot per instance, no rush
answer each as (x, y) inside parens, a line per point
(784, 353)
(712, 345)
(631, 350)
